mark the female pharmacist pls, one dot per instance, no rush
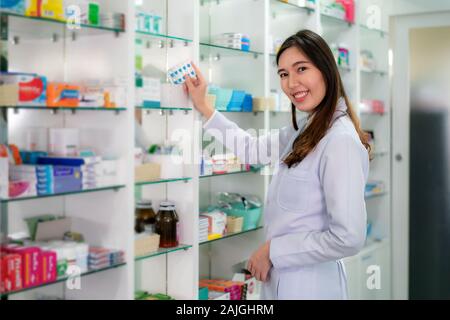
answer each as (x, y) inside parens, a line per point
(315, 212)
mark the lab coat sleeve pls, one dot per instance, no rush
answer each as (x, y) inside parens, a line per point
(343, 173)
(262, 150)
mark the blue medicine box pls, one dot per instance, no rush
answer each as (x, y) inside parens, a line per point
(247, 106)
(237, 100)
(14, 6)
(223, 97)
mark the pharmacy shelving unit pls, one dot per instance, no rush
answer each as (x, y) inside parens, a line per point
(188, 28)
(373, 35)
(172, 271)
(104, 215)
(242, 70)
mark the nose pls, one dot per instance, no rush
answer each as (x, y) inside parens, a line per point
(292, 81)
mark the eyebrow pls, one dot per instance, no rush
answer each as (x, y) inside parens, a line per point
(294, 64)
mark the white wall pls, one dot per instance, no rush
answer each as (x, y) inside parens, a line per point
(400, 45)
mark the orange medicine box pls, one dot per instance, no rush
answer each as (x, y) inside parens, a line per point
(62, 95)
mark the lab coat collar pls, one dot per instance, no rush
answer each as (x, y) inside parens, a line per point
(341, 105)
(341, 109)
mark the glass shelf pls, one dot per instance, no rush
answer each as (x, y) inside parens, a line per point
(73, 109)
(380, 153)
(282, 7)
(254, 170)
(335, 20)
(374, 195)
(212, 49)
(42, 28)
(62, 279)
(382, 33)
(115, 188)
(244, 112)
(162, 36)
(379, 114)
(374, 72)
(230, 235)
(345, 69)
(161, 181)
(162, 251)
(165, 108)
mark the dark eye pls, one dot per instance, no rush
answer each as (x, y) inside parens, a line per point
(301, 69)
(282, 74)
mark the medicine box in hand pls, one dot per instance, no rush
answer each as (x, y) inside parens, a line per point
(177, 74)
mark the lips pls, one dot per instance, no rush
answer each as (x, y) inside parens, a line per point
(300, 96)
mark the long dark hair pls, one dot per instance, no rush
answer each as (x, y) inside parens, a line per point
(318, 51)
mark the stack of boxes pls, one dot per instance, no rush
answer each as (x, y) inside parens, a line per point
(29, 89)
(148, 22)
(94, 172)
(52, 175)
(203, 229)
(374, 188)
(341, 9)
(230, 100)
(217, 223)
(84, 11)
(26, 266)
(221, 164)
(47, 179)
(100, 258)
(37, 263)
(233, 40)
(237, 290)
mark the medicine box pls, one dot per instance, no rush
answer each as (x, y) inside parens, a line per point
(53, 9)
(32, 89)
(9, 94)
(147, 172)
(217, 221)
(33, 8)
(10, 272)
(21, 189)
(145, 244)
(14, 6)
(62, 95)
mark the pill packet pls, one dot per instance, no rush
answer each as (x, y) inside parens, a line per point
(177, 74)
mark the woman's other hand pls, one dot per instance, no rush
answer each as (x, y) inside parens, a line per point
(259, 264)
(197, 88)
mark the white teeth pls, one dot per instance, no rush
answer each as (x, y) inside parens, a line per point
(301, 94)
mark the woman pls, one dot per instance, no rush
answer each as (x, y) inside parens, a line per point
(315, 212)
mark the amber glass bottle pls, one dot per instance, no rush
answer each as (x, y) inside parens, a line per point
(167, 225)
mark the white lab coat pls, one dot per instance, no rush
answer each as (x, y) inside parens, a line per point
(315, 213)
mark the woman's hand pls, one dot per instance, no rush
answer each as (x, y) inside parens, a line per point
(197, 90)
(259, 264)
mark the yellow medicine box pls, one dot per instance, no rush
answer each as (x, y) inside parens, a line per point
(53, 9)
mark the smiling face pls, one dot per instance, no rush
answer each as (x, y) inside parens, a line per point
(301, 80)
